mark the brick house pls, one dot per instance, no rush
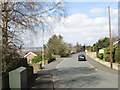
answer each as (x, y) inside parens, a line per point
(30, 56)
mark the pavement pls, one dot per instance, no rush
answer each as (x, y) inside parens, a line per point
(71, 73)
(101, 67)
(43, 79)
(93, 56)
(41, 82)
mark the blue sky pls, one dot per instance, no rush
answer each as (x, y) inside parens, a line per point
(84, 7)
(86, 23)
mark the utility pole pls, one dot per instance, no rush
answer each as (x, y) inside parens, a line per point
(111, 60)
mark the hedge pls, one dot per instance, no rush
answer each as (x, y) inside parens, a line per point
(106, 55)
(117, 55)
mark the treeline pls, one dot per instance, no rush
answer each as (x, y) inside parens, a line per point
(104, 44)
(56, 47)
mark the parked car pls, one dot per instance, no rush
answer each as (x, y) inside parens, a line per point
(81, 57)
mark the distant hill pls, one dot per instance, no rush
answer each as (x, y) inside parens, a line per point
(36, 50)
(32, 48)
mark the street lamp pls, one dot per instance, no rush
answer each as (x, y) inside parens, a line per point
(43, 48)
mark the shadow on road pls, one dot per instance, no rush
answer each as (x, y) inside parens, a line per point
(76, 77)
(42, 80)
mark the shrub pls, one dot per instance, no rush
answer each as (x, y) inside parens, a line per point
(92, 49)
(116, 56)
(100, 55)
(14, 63)
(37, 59)
(107, 54)
(107, 57)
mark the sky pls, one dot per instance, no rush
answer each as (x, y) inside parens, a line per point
(86, 23)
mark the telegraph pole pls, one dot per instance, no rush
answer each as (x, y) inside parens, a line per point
(111, 60)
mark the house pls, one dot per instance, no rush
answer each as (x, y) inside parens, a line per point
(117, 42)
(30, 56)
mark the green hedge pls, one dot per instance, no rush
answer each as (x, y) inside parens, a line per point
(106, 55)
(117, 55)
(100, 55)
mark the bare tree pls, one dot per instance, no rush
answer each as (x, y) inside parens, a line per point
(20, 16)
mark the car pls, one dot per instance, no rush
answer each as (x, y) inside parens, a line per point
(81, 57)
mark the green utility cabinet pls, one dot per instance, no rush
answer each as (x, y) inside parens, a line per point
(18, 78)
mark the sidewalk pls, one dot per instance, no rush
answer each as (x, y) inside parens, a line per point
(102, 67)
(93, 56)
(43, 79)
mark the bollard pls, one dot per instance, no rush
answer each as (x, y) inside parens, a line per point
(18, 78)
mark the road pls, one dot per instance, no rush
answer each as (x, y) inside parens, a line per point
(71, 73)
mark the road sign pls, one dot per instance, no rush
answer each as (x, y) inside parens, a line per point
(101, 51)
(85, 50)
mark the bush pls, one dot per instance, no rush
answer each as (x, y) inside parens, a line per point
(15, 63)
(100, 55)
(107, 57)
(50, 60)
(37, 59)
(116, 56)
(92, 49)
(107, 54)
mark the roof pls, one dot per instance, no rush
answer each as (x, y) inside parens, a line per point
(30, 53)
(116, 42)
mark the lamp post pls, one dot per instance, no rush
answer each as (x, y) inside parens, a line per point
(43, 48)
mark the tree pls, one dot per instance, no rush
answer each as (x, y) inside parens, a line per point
(78, 47)
(102, 43)
(56, 46)
(65, 50)
(84, 47)
(20, 16)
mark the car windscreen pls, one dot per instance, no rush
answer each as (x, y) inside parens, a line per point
(81, 55)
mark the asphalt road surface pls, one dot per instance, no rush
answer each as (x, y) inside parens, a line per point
(71, 73)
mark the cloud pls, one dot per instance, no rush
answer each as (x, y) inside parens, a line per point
(80, 27)
(114, 12)
(97, 11)
(84, 29)
(100, 21)
(101, 11)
